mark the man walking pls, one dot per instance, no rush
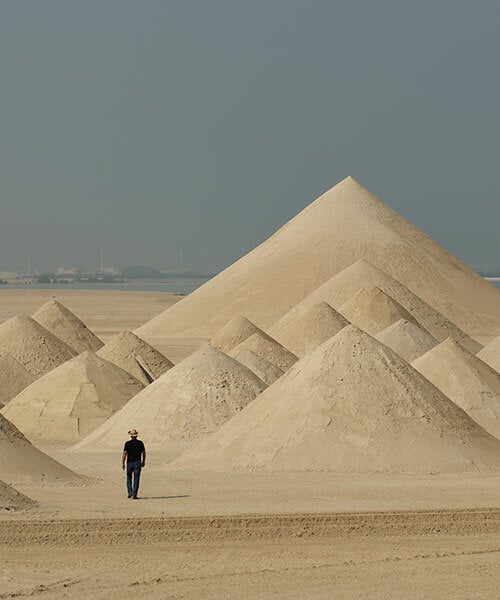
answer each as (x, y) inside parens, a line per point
(135, 454)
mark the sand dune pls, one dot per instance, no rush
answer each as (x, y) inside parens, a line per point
(407, 339)
(13, 378)
(12, 500)
(490, 354)
(264, 370)
(233, 333)
(269, 349)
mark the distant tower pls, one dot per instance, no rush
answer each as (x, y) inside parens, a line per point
(102, 261)
(29, 264)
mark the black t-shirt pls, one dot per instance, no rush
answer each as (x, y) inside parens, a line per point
(134, 449)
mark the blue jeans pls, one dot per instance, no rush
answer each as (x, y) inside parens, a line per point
(135, 469)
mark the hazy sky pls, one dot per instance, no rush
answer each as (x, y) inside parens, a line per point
(151, 128)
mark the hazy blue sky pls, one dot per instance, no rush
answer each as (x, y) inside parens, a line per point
(151, 128)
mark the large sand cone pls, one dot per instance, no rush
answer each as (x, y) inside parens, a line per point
(465, 379)
(268, 348)
(264, 370)
(233, 333)
(490, 354)
(13, 378)
(72, 400)
(22, 463)
(191, 400)
(407, 339)
(352, 405)
(60, 321)
(12, 500)
(339, 289)
(135, 356)
(308, 328)
(38, 350)
(343, 225)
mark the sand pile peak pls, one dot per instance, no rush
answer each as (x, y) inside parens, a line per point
(308, 327)
(266, 347)
(189, 401)
(352, 405)
(14, 377)
(465, 379)
(264, 370)
(11, 499)
(21, 462)
(38, 350)
(65, 325)
(134, 355)
(233, 333)
(407, 338)
(490, 354)
(72, 400)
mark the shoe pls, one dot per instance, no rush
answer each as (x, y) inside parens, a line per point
(135, 498)
(129, 496)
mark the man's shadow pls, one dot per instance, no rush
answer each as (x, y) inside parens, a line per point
(164, 497)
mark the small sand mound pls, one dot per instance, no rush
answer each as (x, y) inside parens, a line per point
(258, 365)
(407, 339)
(233, 333)
(352, 405)
(135, 356)
(13, 378)
(60, 321)
(191, 400)
(72, 400)
(308, 328)
(38, 350)
(266, 347)
(465, 379)
(490, 354)
(11, 499)
(22, 463)
(372, 310)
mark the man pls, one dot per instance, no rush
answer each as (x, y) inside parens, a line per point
(135, 453)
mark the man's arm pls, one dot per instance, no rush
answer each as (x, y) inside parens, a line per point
(144, 457)
(124, 458)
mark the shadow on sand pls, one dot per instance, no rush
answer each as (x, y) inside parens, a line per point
(162, 497)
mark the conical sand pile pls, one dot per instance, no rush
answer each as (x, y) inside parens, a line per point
(233, 333)
(258, 365)
(490, 354)
(38, 350)
(407, 339)
(11, 499)
(72, 400)
(191, 400)
(465, 379)
(372, 310)
(135, 356)
(21, 463)
(266, 347)
(339, 289)
(60, 321)
(13, 378)
(308, 328)
(352, 405)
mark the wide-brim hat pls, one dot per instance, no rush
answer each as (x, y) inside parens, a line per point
(133, 432)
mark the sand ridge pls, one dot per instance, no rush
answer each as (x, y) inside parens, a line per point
(407, 338)
(13, 378)
(233, 333)
(12, 500)
(268, 348)
(264, 370)
(490, 354)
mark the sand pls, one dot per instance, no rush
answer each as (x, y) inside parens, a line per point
(465, 379)
(407, 339)
(490, 354)
(72, 400)
(233, 333)
(269, 349)
(11, 499)
(13, 378)
(264, 370)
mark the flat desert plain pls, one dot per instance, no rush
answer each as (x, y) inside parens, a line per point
(241, 535)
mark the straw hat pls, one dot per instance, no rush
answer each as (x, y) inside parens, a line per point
(133, 433)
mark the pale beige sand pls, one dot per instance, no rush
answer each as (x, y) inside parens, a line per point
(269, 349)
(407, 339)
(72, 400)
(11, 499)
(13, 378)
(490, 354)
(233, 333)
(264, 370)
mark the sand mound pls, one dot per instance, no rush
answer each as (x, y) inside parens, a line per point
(11, 499)
(13, 378)
(258, 365)
(21, 463)
(38, 350)
(339, 289)
(465, 379)
(135, 356)
(352, 405)
(490, 354)
(233, 333)
(191, 400)
(60, 321)
(372, 310)
(345, 224)
(266, 347)
(72, 400)
(308, 328)
(407, 339)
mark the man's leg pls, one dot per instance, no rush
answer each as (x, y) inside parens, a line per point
(137, 476)
(130, 469)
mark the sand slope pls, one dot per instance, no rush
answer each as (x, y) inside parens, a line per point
(233, 333)
(308, 328)
(345, 224)
(264, 370)
(11, 499)
(191, 400)
(72, 400)
(407, 339)
(351, 405)
(13, 378)
(490, 354)
(268, 348)
(465, 379)
(65, 325)
(130, 353)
